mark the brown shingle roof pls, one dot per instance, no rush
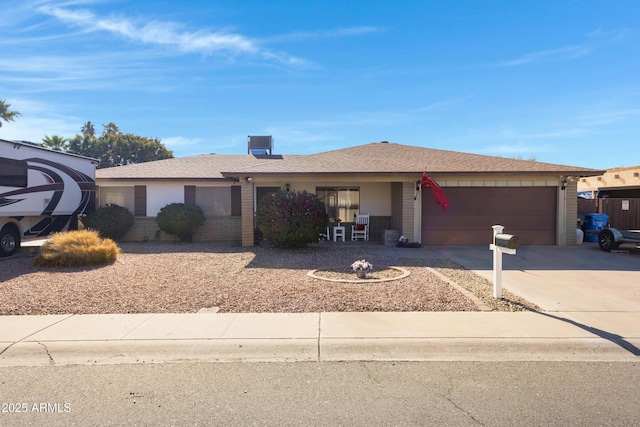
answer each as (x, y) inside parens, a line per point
(368, 158)
(204, 166)
(397, 158)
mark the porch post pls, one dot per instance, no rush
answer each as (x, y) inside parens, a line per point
(409, 212)
(246, 203)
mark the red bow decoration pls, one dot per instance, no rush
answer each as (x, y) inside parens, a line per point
(437, 191)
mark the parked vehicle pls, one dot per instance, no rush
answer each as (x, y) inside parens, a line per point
(41, 191)
(610, 238)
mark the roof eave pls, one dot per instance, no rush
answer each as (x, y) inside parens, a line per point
(559, 173)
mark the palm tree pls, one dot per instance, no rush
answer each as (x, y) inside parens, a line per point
(55, 142)
(110, 128)
(88, 130)
(6, 114)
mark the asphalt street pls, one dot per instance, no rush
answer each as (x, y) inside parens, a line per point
(323, 393)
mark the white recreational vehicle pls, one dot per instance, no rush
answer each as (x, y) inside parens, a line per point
(41, 191)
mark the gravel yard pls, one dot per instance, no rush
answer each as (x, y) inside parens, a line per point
(182, 278)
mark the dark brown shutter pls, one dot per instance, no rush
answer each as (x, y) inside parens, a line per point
(236, 207)
(140, 200)
(189, 194)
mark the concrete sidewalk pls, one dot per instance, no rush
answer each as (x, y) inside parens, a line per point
(412, 336)
(591, 303)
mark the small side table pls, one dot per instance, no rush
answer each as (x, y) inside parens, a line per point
(338, 232)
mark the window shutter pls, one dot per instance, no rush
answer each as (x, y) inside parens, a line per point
(189, 194)
(236, 207)
(140, 200)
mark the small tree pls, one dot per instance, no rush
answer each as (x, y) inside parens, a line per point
(180, 220)
(111, 221)
(291, 219)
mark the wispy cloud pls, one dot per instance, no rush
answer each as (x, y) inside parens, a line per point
(611, 116)
(512, 149)
(611, 36)
(551, 134)
(595, 39)
(560, 54)
(168, 34)
(324, 34)
(36, 116)
(425, 113)
(37, 73)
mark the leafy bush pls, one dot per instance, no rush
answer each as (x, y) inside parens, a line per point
(291, 219)
(180, 220)
(75, 249)
(111, 221)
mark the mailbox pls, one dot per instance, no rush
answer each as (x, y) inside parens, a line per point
(508, 241)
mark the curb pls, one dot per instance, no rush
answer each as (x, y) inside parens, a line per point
(60, 353)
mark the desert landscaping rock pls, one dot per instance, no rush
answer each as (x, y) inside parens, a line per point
(185, 278)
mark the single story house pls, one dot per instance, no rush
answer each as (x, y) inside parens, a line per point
(536, 201)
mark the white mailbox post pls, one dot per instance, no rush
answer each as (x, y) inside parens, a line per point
(502, 243)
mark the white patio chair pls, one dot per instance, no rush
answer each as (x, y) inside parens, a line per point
(360, 230)
(324, 236)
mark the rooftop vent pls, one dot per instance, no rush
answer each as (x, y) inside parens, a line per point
(260, 145)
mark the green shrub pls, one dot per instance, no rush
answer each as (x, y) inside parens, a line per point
(180, 220)
(291, 218)
(75, 249)
(111, 221)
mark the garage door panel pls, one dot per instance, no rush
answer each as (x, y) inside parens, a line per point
(470, 222)
(461, 237)
(529, 212)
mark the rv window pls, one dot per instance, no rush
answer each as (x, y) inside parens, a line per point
(13, 173)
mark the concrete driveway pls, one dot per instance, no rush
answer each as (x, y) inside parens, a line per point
(582, 285)
(572, 278)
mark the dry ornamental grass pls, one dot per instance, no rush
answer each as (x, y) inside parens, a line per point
(182, 278)
(76, 248)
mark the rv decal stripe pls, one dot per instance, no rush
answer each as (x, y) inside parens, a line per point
(49, 225)
(76, 175)
(48, 187)
(7, 202)
(55, 199)
(57, 194)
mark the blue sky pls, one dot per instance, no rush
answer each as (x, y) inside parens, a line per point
(558, 81)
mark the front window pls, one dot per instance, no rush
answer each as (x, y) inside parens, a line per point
(214, 201)
(121, 196)
(340, 202)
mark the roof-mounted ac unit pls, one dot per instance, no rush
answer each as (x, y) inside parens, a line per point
(260, 144)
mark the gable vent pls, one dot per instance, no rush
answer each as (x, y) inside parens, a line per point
(260, 145)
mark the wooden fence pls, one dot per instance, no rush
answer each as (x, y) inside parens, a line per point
(622, 219)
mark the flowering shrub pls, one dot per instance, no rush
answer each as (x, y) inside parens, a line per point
(291, 218)
(362, 265)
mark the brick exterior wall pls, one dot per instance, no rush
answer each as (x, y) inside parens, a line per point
(408, 211)
(246, 202)
(215, 229)
(377, 225)
(571, 213)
